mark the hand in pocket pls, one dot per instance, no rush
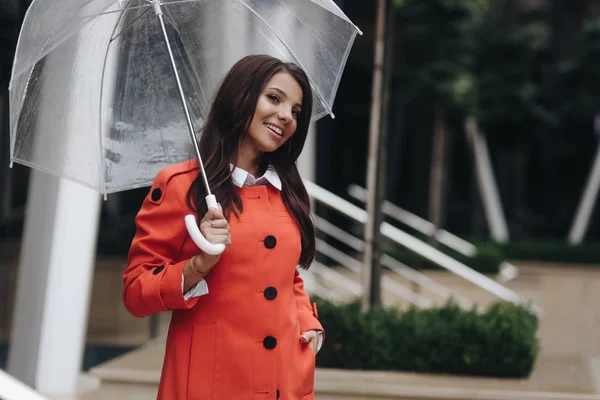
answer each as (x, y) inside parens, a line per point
(311, 338)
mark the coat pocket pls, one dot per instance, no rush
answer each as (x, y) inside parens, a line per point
(306, 369)
(202, 362)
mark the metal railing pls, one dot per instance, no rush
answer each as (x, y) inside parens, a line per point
(13, 389)
(395, 266)
(419, 224)
(419, 247)
(506, 271)
(387, 283)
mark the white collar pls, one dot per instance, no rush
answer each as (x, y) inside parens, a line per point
(242, 178)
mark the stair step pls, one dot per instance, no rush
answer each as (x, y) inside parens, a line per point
(557, 378)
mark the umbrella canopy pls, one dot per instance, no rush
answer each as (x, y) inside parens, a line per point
(92, 93)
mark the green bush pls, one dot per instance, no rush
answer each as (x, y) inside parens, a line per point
(552, 250)
(500, 342)
(490, 255)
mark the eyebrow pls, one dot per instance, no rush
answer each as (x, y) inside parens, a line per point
(283, 94)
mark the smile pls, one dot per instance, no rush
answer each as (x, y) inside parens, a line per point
(275, 129)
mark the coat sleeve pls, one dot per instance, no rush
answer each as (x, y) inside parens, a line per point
(152, 280)
(307, 314)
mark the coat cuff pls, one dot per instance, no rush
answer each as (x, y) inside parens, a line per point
(199, 289)
(170, 288)
(320, 340)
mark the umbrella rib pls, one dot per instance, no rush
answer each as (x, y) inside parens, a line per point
(315, 87)
(168, 3)
(148, 6)
(341, 16)
(130, 24)
(101, 135)
(184, 50)
(43, 52)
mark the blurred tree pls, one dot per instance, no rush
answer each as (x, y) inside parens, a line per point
(564, 22)
(582, 78)
(581, 113)
(503, 96)
(436, 47)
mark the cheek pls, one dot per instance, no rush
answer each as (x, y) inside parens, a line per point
(292, 130)
(263, 107)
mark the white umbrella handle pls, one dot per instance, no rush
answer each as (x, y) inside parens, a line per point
(196, 235)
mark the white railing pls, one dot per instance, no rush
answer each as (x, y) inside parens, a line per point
(319, 273)
(419, 224)
(507, 271)
(394, 265)
(13, 389)
(312, 286)
(419, 247)
(387, 283)
(335, 278)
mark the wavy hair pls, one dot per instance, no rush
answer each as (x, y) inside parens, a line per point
(228, 122)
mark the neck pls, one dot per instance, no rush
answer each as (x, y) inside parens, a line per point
(249, 160)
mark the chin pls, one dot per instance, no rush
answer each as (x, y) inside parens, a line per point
(270, 147)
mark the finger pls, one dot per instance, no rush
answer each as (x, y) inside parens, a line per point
(219, 211)
(310, 334)
(219, 223)
(213, 214)
(213, 225)
(215, 239)
(219, 232)
(206, 224)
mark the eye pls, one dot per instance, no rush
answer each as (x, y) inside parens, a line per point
(295, 112)
(273, 98)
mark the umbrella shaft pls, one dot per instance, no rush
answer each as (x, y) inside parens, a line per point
(182, 95)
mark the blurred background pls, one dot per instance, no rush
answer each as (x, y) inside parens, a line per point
(488, 147)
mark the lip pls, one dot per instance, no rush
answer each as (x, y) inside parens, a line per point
(274, 135)
(276, 125)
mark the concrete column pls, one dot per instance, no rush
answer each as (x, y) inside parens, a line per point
(307, 162)
(486, 182)
(54, 284)
(586, 204)
(59, 241)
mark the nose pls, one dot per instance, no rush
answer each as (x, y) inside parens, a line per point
(285, 115)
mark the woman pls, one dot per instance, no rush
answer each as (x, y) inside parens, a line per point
(242, 326)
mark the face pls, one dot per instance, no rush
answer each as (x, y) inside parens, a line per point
(275, 117)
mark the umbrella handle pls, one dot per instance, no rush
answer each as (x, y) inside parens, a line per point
(196, 235)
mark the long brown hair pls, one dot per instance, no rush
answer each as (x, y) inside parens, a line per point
(228, 121)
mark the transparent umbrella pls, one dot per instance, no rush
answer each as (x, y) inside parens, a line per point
(106, 93)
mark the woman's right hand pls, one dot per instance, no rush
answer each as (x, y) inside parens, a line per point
(215, 228)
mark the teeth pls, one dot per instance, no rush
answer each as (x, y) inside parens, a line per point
(274, 129)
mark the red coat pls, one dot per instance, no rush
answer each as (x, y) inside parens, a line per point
(241, 341)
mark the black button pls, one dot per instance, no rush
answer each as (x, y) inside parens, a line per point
(277, 394)
(270, 293)
(269, 342)
(158, 269)
(270, 242)
(156, 194)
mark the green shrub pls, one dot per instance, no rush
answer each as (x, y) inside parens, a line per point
(490, 255)
(500, 342)
(552, 250)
